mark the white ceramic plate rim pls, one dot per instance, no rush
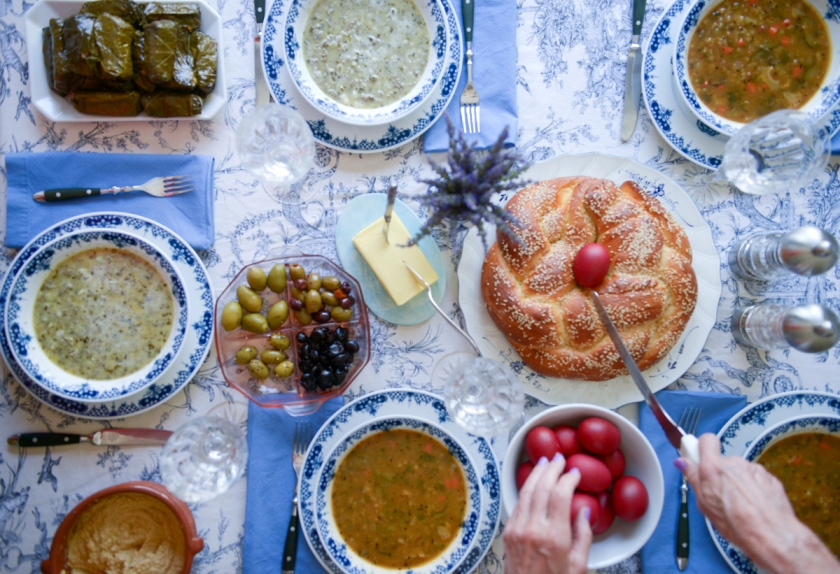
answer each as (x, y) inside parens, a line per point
(740, 432)
(60, 109)
(30, 355)
(347, 137)
(790, 427)
(620, 390)
(199, 335)
(400, 402)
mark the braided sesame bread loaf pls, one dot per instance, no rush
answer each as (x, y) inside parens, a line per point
(530, 291)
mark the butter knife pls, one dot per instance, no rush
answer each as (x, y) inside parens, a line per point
(389, 210)
(633, 81)
(104, 437)
(263, 96)
(686, 444)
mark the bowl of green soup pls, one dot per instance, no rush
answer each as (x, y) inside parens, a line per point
(366, 63)
(397, 494)
(97, 316)
(737, 61)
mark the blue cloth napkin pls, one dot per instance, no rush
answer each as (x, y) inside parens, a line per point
(658, 555)
(271, 485)
(835, 143)
(190, 215)
(494, 77)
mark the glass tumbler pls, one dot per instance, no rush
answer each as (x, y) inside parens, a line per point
(778, 152)
(203, 458)
(275, 144)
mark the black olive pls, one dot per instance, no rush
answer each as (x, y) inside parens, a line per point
(317, 336)
(336, 348)
(348, 358)
(347, 302)
(352, 346)
(341, 333)
(308, 382)
(322, 316)
(340, 376)
(301, 284)
(322, 332)
(296, 305)
(314, 355)
(338, 361)
(301, 338)
(330, 336)
(304, 365)
(345, 286)
(326, 378)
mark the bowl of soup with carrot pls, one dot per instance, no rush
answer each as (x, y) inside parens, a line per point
(804, 454)
(738, 60)
(398, 494)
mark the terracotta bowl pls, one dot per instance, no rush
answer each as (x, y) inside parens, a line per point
(56, 563)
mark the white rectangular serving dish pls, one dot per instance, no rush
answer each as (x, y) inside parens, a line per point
(60, 109)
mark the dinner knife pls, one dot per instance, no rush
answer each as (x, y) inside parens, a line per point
(633, 81)
(685, 443)
(263, 96)
(104, 437)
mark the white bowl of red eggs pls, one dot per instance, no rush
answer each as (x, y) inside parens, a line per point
(621, 479)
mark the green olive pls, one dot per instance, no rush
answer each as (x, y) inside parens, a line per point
(279, 342)
(256, 323)
(313, 281)
(330, 283)
(231, 316)
(277, 278)
(258, 369)
(298, 294)
(328, 299)
(278, 314)
(245, 355)
(312, 301)
(284, 369)
(272, 356)
(249, 299)
(256, 278)
(296, 271)
(303, 317)
(341, 314)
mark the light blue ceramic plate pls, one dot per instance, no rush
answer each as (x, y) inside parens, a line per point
(358, 214)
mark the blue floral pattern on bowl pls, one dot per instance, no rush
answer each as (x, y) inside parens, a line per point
(818, 424)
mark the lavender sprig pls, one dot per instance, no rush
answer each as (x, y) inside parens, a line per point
(464, 188)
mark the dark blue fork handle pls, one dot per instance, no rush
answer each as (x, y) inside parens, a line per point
(66, 193)
(290, 548)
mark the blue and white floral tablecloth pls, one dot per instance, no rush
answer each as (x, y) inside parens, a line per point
(571, 68)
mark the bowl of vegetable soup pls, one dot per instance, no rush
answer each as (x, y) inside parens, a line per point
(737, 61)
(396, 494)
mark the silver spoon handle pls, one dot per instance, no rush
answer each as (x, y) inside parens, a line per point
(454, 324)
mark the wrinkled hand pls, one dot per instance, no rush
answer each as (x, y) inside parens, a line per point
(539, 537)
(749, 507)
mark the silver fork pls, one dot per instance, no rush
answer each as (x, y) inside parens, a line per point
(159, 187)
(303, 436)
(470, 110)
(689, 420)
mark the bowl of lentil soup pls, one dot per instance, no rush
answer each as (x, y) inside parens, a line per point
(398, 493)
(804, 454)
(366, 62)
(97, 315)
(735, 61)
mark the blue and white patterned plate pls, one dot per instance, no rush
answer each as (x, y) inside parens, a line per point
(744, 428)
(620, 390)
(434, 20)
(671, 116)
(825, 424)
(346, 137)
(395, 403)
(20, 326)
(348, 560)
(198, 337)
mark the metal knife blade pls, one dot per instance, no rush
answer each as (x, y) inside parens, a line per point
(263, 96)
(389, 209)
(105, 437)
(685, 443)
(633, 80)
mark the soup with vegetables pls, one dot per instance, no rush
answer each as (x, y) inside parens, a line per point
(748, 58)
(808, 464)
(399, 498)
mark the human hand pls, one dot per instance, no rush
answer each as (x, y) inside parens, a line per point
(539, 537)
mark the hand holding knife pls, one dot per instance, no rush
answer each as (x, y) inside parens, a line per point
(633, 81)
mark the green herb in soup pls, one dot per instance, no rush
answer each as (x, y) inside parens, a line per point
(808, 464)
(399, 498)
(749, 58)
(366, 53)
(103, 313)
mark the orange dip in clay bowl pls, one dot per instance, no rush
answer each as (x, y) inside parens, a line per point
(131, 528)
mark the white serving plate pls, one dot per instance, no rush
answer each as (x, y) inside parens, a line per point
(58, 108)
(20, 312)
(621, 390)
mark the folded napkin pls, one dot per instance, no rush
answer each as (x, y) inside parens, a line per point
(190, 215)
(658, 555)
(271, 485)
(494, 77)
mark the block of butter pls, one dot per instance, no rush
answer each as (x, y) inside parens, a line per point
(387, 260)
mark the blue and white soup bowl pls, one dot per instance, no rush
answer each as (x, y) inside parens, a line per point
(296, 20)
(344, 556)
(821, 424)
(20, 313)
